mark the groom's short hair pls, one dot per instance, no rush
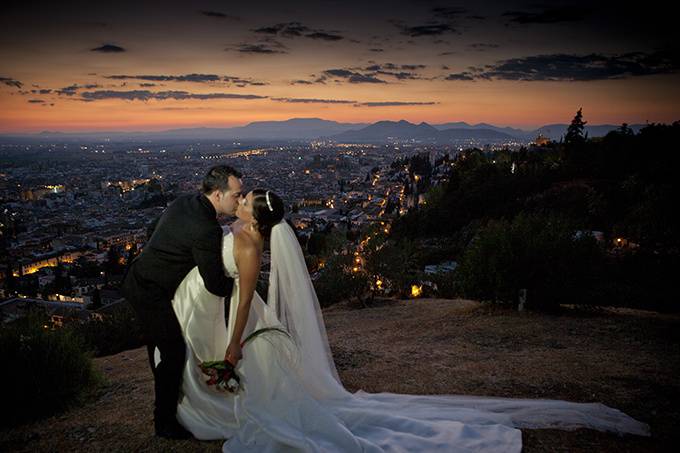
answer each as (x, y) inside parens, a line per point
(217, 178)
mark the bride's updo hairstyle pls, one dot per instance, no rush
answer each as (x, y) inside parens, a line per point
(267, 210)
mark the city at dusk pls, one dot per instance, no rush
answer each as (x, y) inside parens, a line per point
(339, 226)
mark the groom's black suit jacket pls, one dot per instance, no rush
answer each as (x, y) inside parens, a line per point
(187, 234)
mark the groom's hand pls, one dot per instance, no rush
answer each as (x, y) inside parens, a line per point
(234, 353)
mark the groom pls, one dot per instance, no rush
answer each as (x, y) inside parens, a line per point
(186, 235)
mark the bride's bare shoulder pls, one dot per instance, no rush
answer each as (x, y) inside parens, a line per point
(245, 247)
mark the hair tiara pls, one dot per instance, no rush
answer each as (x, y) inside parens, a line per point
(269, 203)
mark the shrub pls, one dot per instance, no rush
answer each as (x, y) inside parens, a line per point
(398, 263)
(639, 279)
(336, 282)
(45, 370)
(446, 284)
(117, 331)
(538, 252)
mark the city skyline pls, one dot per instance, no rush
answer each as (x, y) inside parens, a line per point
(133, 67)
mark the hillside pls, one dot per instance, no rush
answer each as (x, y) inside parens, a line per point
(623, 358)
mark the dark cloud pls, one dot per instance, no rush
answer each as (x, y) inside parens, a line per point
(392, 103)
(568, 67)
(258, 48)
(272, 30)
(240, 82)
(375, 49)
(548, 16)
(413, 67)
(184, 108)
(199, 78)
(296, 29)
(108, 48)
(68, 91)
(392, 66)
(41, 91)
(428, 29)
(369, 74)
(301, 82)
(443, 20)
(72, 89)
(313, 101)
(218, 15)
(193, 78)
(402, 75)
(146, 95)
(448, 13)
(339, 72)
(350, 76)
(395, 70)
(481, 46)
(324, 36)
(361, 78)
(147, 85)
(460, 76)
(355, 103)
(11, 82)
(36, 101)
(267, 46)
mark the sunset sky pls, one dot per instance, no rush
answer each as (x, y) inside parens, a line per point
(124, 65)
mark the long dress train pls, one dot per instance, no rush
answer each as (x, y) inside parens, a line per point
(281, 410)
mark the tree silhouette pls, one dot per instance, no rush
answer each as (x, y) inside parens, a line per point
(575, 148)
(625, 130)
(575, 130)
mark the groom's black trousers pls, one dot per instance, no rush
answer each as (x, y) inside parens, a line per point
(162, 330)
(164, 333)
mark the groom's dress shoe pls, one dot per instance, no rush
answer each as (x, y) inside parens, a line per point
(172, 430)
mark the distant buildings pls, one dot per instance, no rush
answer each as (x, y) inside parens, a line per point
(541, 140)
(100, 198)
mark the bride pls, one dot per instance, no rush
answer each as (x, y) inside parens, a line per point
(291, 397)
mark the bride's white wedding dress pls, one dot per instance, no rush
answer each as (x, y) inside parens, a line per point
(293, 400)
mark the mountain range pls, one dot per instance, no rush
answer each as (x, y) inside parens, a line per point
(315, 128)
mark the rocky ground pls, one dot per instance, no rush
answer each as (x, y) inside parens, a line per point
(623, 358)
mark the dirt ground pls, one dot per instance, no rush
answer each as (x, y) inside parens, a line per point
(626, 359)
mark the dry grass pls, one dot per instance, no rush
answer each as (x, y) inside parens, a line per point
(623, 358)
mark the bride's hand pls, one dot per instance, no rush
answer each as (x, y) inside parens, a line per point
(234, 353)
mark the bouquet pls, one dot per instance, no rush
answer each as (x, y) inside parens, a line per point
(221, 373)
